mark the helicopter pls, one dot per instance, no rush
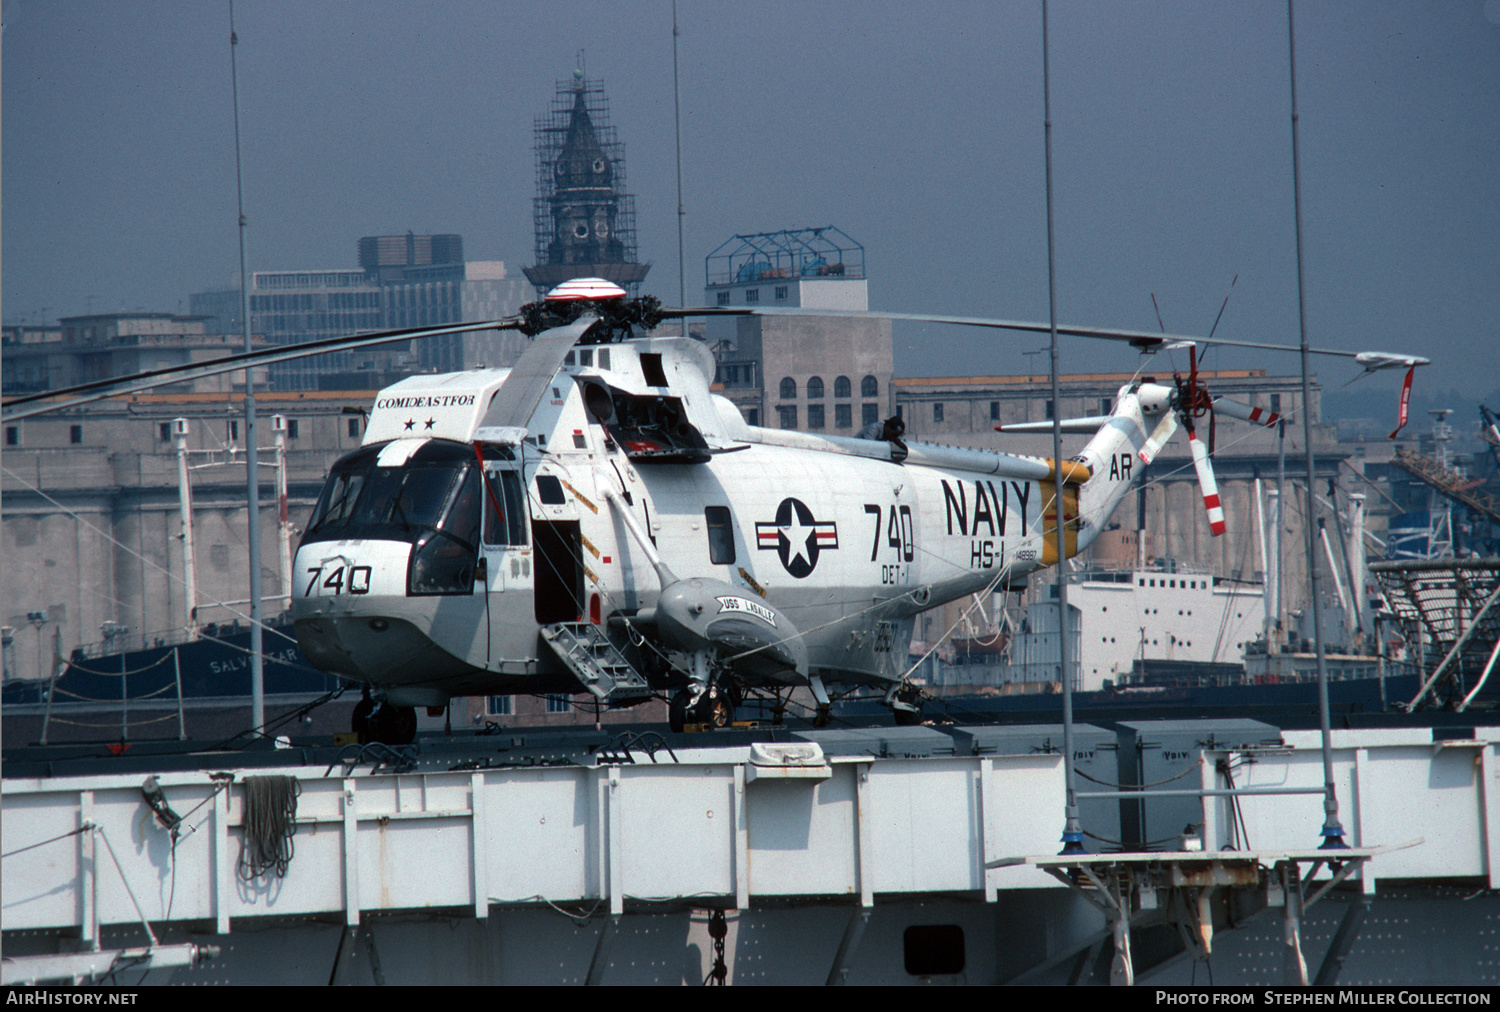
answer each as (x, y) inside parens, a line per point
(597, 520)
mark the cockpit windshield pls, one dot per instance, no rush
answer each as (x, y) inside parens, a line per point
(433, 490)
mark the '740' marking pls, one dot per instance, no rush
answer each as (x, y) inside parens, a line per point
(358, 581)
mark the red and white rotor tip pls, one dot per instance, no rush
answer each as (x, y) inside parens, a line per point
(1244, 412)
(592, 289)
(1208, 485)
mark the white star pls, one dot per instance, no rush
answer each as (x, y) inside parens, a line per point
(798, 537)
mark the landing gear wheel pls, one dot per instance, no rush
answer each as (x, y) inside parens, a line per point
(359, 720)
(717, 708)
(677, 708)
(387, 724)
(713, 708)
(403, 725)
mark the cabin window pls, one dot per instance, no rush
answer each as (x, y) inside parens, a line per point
(869, 387)
(720, 535)
(550, 489)
(586, 356)
(815, 416)
(815, 388)
(603, 358)
(843, 416)
(505, 491)
(842, 387)
(788, 389)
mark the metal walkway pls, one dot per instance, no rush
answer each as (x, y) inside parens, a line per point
(739, 828)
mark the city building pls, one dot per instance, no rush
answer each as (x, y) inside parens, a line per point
(830, 374)
(81, 349)
(402, 281)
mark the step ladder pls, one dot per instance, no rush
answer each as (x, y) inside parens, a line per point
(596, 662)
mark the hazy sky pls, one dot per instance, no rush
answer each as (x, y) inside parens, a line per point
(918, 132)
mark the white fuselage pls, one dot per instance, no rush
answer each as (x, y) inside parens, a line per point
(846, 541)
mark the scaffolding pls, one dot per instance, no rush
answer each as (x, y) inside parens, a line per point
(1449, 481)
(552, 130)
(825, 252)
(1452, 606)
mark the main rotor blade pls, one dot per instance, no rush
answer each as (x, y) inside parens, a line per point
(84, 393)
(1158, 438)
(1142, 339)
(512, 406)
(1207, 484)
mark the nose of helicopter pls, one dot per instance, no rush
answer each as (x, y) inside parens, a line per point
(371, 646)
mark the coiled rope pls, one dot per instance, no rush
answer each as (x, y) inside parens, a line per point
(270, 823)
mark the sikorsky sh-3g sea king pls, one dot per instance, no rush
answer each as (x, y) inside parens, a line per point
(597, 520)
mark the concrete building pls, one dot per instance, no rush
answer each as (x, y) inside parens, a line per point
(403, 281)
(90, 532)
(827, 374)
(81, 349)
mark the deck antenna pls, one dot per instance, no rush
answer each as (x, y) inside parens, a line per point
(252, 461)
(1072, 836)
(1333, 832)
(677, 109)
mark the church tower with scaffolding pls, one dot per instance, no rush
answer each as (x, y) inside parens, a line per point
(584, 222)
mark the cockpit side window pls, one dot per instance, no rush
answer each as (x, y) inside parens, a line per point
(506, 489)
(338, 499)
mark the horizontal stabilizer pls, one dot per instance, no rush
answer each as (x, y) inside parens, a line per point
(1091, 424)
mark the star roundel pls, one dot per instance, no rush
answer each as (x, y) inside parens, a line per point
(797, 537)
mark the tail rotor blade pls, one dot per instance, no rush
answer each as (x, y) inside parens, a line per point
(1244, 412)
(1208, 485)
(1158, 437)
